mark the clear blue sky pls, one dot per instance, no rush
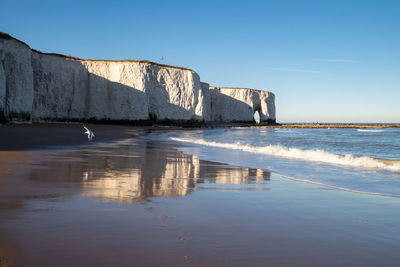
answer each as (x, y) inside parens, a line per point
(326, 61)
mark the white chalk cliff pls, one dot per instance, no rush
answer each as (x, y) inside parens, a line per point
(239, 104)
(35, 86)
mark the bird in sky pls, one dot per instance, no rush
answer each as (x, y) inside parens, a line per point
(89, 133)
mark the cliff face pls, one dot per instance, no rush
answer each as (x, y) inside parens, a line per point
(163, 92)
(129, 91)
(16, 80)
(58, 88)
(37, 86)
(239, 104)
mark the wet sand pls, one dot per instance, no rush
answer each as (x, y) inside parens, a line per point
(125, 200)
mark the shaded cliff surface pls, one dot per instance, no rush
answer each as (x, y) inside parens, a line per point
(36, 86)
(245, 102)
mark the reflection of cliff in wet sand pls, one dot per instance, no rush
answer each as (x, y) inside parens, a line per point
(118, 173)
(168, 178)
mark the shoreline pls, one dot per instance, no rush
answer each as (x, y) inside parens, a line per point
(332, 125)
(192, 124)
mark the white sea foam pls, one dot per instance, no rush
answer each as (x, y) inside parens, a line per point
(307, 155)
(369, 130)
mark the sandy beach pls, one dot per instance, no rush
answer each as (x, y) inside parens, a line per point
(127, 200)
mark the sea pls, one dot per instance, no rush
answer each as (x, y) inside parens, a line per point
(365, 161)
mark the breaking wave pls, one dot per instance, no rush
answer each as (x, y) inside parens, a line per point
(307, 155)
(369, 130)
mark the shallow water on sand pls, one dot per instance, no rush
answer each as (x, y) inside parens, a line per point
(358, 160)
(142, 202)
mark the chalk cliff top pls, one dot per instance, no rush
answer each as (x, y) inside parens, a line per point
(9, 37)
